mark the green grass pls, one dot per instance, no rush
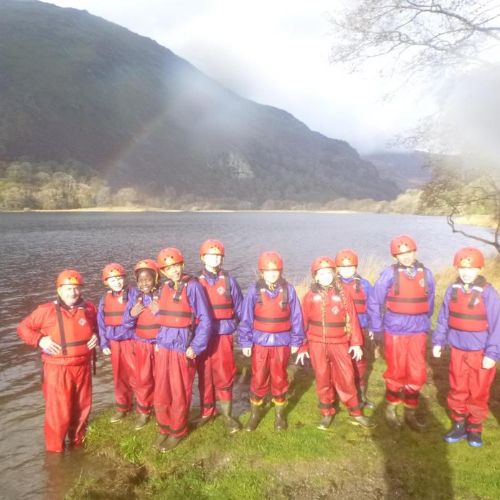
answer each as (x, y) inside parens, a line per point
(303, 462)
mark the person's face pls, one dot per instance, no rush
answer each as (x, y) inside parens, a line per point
(346, 271)
(145, 281)
(468, 274)
(211, 261)
(324, 276)
(407, 259)
(271, 277)
(116, 283)
(173, 272)
(70, 294)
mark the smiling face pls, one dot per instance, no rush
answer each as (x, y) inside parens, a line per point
(69, 294)
(116, 283)
(173, 272)
(407, 259)
(325, 276)
(145, 280)
(468, 274)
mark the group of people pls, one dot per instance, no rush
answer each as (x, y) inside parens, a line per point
(172, 325)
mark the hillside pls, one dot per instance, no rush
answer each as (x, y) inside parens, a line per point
(76, 88)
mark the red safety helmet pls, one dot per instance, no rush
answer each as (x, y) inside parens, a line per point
(214, 247)
(402, 244)
(346, 258)
(146, 264)
(323, 262)
(113, 270)
(169, 256)
(270, 261)
(69, 277)
(469, 257)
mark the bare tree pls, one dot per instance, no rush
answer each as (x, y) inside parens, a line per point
(417, 34)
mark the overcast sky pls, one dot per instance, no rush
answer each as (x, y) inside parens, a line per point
(274, 52)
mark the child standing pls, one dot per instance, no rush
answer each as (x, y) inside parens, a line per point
(216, 367)
(469, 321)
(116, 339)
(270, 329)
(401, 307)
(358, 288)
(142, 314)
(185, 332)
(333, 335)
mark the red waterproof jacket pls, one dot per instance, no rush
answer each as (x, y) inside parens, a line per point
(71, 328)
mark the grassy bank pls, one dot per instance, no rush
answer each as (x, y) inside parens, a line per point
(303, 462)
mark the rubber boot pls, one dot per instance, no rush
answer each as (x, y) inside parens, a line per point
(362, 421)
(391, 416)
(325, 422)
(475, 439)
(141, 421)
(232, 425)
(201, 421)
(456, 433)
(169, 444)
(412, 421)
(118, 416)
(255, 417)
(280, 423)
(364, 400)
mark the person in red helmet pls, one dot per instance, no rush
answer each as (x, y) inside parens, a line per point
(216, 367)
(401, 307)
(358, 289)
(269, 330)
(333, 336)
(116, 340)
(64, 330)
(186, 327)
(469, 321)
(142, 315)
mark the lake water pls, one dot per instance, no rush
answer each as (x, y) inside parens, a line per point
(34, 247)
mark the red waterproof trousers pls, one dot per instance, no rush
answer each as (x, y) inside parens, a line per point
(67, 390)
(216, 371)
(123, 365)
(406, 369)
(334, 374)
(469, 388)
(144, 375)
(269, 373)
(361, 366)
(174, 384)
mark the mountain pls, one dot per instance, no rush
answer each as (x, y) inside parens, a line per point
(408, 169)
(74, 87)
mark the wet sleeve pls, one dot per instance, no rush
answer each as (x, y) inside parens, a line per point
(376, 300)
(245, 327)
(297, 332)
(199, 303)
(356, 334)
(440, 333)
(29, 330)
(237, 297)
(432, 292)
(103, 341)
(492, 303)
(306, 300)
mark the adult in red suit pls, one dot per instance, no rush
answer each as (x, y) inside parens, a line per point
(65, 332)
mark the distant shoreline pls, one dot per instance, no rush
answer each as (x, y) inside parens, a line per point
(472, 220)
